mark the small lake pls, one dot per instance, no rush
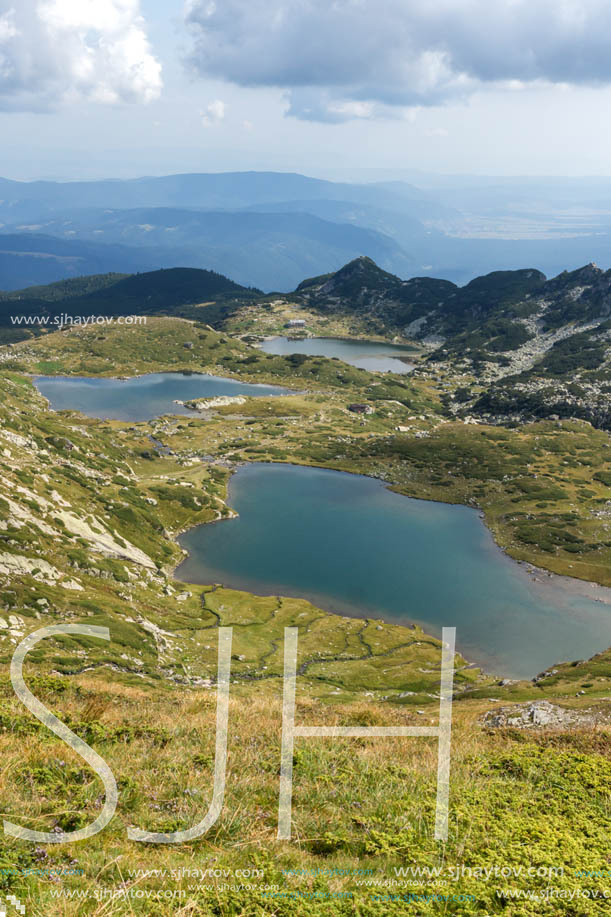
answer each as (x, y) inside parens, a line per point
(371, 355)
(351, 546)
(142, 397)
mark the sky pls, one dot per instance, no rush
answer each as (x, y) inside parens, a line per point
(332, 88)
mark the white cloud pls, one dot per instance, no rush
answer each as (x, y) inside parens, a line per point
(7, 26)
(342, 59)
(214, 113)
(53, 51)
(351, 109)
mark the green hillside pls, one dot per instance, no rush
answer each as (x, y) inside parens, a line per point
(64, 289)
(164, 291)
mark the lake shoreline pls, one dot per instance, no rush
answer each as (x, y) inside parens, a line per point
(373, 356)
(145, 397)
(545, 583)
(339, 337)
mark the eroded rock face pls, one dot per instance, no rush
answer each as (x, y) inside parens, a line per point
(542, 714)
(102, 541)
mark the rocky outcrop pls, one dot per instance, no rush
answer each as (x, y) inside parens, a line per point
(542, 714)
(15, 565)
(208, 403)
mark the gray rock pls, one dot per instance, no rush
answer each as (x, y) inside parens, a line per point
(541, 714)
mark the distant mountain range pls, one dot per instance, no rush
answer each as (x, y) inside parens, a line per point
(253, 247)
(32, 258)
(270, 229)
(204, 191)
(265, 229)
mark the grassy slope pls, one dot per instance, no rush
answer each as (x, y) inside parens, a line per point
(516, 799)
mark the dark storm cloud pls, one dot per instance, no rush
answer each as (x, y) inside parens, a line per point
(342, 59)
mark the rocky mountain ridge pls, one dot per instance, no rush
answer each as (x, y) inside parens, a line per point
(536, 347)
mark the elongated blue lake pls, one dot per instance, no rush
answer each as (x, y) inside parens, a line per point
(142, 397)
(354, 547)
(370, 355)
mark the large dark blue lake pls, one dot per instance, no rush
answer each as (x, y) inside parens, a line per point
(354, 547)
(141, 397)
(371, 355)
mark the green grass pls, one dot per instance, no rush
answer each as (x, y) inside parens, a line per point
(360, 808)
